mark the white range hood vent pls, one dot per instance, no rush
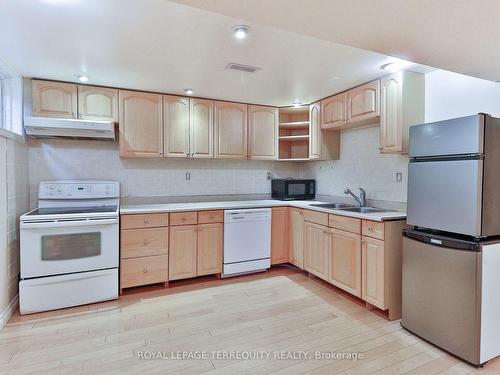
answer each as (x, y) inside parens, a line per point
(60, 127)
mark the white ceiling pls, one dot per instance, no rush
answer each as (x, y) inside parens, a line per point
(456, 35)
(163, 46)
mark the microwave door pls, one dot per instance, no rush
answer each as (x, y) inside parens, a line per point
(446, 195)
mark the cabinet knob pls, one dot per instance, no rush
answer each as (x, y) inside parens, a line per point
(371, 229)
(146, 242)
(145, 270)
(146, 220)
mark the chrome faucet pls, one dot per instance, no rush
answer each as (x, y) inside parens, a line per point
(362, 196)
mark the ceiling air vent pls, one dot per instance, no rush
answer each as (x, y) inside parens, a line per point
(243, 68)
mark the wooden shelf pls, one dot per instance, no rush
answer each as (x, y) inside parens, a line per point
(294, 124)
(294, 137)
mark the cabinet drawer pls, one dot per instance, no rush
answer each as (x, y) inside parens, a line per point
(143, 242)
(205, 217)
(348, 224)
(184, 218)
(373, 229)
(143, 271)
(144, 220)
(316, 217)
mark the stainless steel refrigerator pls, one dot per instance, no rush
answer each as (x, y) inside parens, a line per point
(451, 255)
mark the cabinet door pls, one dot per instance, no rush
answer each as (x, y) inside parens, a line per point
(230, 130)
(263, 125)
(333, 112)
(182, 252)
(54, 99)
(391, 116)
(317, 249)
(297, 237)
(201, 125)
(176, 126)
(363, 102)
(314, 131)
(345, 262)
(97, 103)
(373, 272)
(210, 239)
(141, 124)
(280, 224)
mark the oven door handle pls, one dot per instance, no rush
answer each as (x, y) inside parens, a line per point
(68, 223)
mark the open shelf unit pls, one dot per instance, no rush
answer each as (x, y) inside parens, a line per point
(294, 133)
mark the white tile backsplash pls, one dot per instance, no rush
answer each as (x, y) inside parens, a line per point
(360, 165)
(70, 159)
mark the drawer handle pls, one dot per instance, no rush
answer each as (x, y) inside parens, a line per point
(371, 229)
(146, 220)
(145, 270)
(183, 219)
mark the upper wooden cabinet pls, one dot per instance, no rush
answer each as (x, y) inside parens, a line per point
(402, 105)
(201, 125)
(263, 125)
(175, 126)
(230, 130)
(97, 103)
(280, 231)
(141, 124)
(323, 145)
(54, 99)
(363, 104)
(333, 112)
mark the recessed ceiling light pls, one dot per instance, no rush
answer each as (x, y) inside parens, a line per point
(82, 77)
(189, 91)
(394, 67)
(297, 103)
(240, 31)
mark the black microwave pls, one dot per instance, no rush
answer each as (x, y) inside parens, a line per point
(290, 189)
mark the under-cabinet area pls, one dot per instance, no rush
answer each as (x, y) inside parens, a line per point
(360, 256)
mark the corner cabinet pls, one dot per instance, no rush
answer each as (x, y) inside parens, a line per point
(141, 124)
(97, 103)
(54, 99)
(230, 130)
(402, 105)
(333, 112)
(263, 125)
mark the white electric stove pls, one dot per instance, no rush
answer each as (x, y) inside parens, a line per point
(70, 246)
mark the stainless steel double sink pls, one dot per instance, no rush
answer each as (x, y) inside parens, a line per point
(351, 208)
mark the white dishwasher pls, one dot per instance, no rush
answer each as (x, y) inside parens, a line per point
(247, 241)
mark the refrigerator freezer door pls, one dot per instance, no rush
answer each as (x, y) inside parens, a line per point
(451, 137)
(446, 195)
(439, 297)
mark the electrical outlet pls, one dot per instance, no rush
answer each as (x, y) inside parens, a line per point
(399, 176)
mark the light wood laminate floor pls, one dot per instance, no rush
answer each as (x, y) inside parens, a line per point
(277, 311)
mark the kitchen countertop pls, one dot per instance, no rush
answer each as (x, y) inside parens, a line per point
(229, 205)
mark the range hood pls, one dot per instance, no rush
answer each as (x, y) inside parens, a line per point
(73, 128)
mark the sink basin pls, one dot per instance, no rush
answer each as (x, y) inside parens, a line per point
(336, 206)
(366, 210)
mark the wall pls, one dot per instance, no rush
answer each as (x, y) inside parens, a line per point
(70, 159)
(449, 95)
(360, 165)
(14, 199)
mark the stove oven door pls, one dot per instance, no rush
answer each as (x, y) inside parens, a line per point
(62, 247)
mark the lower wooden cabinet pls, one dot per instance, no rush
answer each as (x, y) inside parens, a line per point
(183, 250)
(297, 237)
(373, 272)
(143, 271)
(210, 240)
(317, 243)
(280, 226)
(345, 261)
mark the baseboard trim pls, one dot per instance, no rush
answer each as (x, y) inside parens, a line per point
(9, 311)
